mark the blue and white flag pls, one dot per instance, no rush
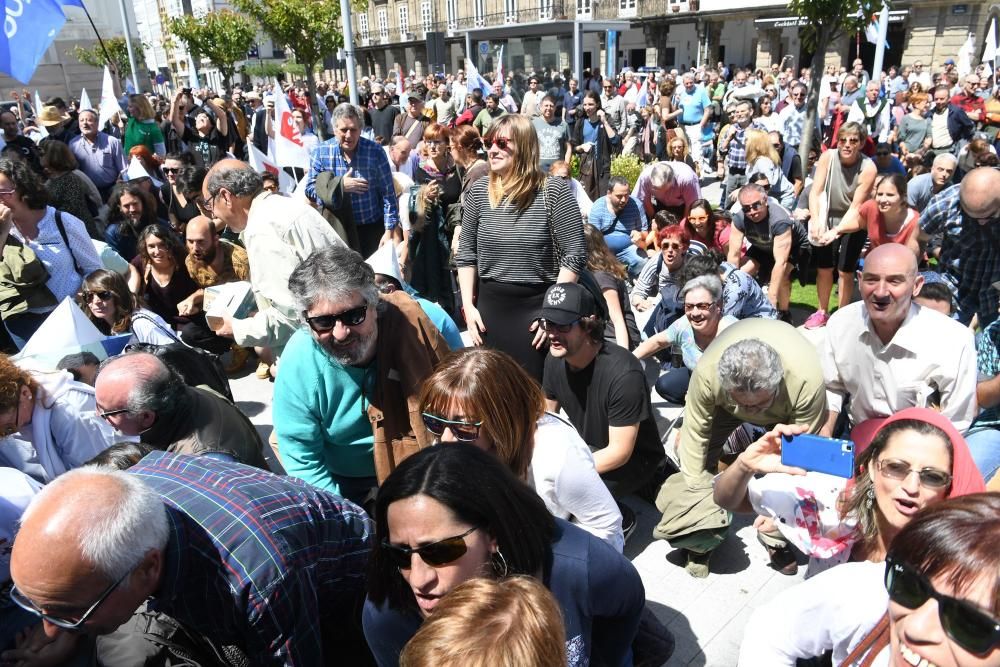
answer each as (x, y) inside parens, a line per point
(28, 30)
(475, 80)
(72, 3)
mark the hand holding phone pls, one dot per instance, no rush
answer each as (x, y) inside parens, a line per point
(819, 454)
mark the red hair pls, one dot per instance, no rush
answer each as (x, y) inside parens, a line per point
(673, 231)
(146, 158)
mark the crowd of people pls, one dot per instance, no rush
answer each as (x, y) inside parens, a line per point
(466, 310)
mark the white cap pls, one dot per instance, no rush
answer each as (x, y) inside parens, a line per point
(385, 261)
(136, 171)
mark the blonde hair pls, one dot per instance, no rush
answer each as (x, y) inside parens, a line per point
(512, 622)
(758, 144)
(525, 177)
(142, 106)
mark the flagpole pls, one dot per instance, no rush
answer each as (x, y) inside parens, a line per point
(883, 30)
(128, 45)
(99, 40)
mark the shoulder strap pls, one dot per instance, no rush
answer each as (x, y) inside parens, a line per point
(62, 233)
(872, 644)
(138, 315)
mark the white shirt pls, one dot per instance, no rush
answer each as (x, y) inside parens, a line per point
(562, 473)
(833, 610)
(929, 352)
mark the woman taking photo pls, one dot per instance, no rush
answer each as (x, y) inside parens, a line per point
(610, 275)
(887, 218)
(521, 233)
(915, 459)
(106, 300)
(209, 140)
(48, 422)
(59, 241)
(482, 397)
(688, 337)
(594, 141)
(707, 230)
(439, 187)
(935, 601)
(450, 514)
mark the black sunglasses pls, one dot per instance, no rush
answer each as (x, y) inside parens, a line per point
(463, 431)
(973, 630)
(435, 554)
(169, 170)
(747, 208)
(502, 143)
(349, 318)
(103, 295)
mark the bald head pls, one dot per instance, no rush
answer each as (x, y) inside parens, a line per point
(201, 224)
(137, 389)
(229, 189)
(980, 194)
(201, 240)
(896, 254)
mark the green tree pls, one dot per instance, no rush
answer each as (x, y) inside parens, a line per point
(309, 28)
(223, 38)
(94, 56)
(263, 70)
(828, 20)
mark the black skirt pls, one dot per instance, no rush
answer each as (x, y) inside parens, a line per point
(508, 309)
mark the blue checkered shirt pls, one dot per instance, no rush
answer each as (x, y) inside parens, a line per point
(263, 562)
(379, 203)
(737, 156)
(970, 254)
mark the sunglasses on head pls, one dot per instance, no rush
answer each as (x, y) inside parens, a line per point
(749, 208)
(348, 318)
(435, 554)
(502, 143)
(972, 629)
(463, 431)
(103, 295)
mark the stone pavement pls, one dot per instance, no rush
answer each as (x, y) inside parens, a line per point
(706, 616)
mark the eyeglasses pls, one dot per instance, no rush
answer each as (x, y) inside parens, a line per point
(973, 630)
(464, 431)
(348, 318)
(849, 140)
(547, 326)
(209, 204)
(690, 307)
(932, 478)
(24, 603)
(7, 193)
(749, 208)
(13, 428)
(435, 554)
(503, 143)
(435, 144)
(103, 295)
(671, 246)
(169, 170)
(107, 414)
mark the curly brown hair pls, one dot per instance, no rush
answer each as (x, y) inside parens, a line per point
(12, 378)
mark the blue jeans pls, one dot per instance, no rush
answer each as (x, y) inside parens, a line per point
(633, 260)
(984, 444)
(673, 384)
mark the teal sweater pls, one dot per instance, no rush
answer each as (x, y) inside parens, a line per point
(320, 416)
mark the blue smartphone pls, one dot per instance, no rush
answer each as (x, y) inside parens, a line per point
(819, 454)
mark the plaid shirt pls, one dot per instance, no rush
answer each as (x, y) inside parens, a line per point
(737, 156)
(988, 361)
(379, 203)
(970, 254)
(256, 560)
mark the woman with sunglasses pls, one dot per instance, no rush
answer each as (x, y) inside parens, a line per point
(181, 206)
(935, 601)
(483, 397)
(450, 514)
(707, 230)
(438, 188)
(521, 233)
(888, 218)
(106, 300)
(58, 240)
(915, 459)
(48, 422)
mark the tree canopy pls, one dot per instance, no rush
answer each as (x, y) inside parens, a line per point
(117, 49)
(223, 38)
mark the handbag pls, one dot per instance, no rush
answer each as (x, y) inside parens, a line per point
(23, 280)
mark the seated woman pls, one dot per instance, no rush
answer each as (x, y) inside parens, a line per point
(689, 336)
(108, 303)
(610, 275)
(67, 190)
(130, 210)
(49, 423)
(762, 158)
(513, 621)
(935, 601)
(482, 396)
(888, 218)
(915, 459)
(742, 296)
(708, 231)
(169, 290)
(450, 514)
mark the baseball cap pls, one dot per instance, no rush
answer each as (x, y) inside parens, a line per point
(565, 303)
(949, 61)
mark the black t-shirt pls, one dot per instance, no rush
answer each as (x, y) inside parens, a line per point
(607, 281)
(208, 150)
(382, 121)
(611, 391)
(761, 234)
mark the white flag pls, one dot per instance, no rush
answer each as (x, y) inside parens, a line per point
(475, 80)
(40, 131)
(85, 101)
(964, 65)
(262, 163)
(990, 49)
(499, 78)
(289, 151)
(109, 103)
(38, 103)
(192, 74)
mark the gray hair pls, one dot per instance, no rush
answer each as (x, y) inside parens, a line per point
(750, 365)
(118, 534)
(709, 283)
(661, 175)
(617, 180)
(945, 157)
(346, 110)
(333, 274)
(241, 180)
(159, 391)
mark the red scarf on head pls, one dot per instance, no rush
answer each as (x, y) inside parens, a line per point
(965, 477)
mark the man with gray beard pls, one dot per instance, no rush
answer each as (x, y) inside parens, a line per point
(346, 400)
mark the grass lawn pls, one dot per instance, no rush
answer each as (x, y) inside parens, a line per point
(804, 296)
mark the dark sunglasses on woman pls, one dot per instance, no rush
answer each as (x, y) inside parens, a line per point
(435, 554)
(463, 431)
(972, 629)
